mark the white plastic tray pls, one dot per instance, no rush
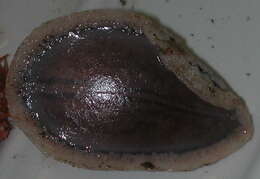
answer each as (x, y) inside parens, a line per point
(224, 33)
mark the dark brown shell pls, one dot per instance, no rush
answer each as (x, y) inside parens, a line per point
(113, 89)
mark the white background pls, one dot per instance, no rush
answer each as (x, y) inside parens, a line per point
(230, 44)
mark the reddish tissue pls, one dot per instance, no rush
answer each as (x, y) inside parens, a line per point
(5, 127)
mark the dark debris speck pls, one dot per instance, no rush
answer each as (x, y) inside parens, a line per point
(133, 6)
(212, 46)
(172, 39)
(179, 15)
(212, 91)
(212, 21)
(248, 74)
(147, 165)
(123, 2)
(191, 34)
(248, 18)
(18, 156)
